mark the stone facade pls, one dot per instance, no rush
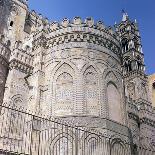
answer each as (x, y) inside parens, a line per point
(152, 88)
(82, 72)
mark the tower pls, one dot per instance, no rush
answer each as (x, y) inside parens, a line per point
(135, 83)
(132, 59)
(13, 14)
(65, 86)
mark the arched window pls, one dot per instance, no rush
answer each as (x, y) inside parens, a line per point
(139, 63)
(127, 64)
(114, 102)
(125, 45)
(11, 23)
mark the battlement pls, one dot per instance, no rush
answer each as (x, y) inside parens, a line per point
(78, 25)
(75, 25)
(78, 22)
(95, 35)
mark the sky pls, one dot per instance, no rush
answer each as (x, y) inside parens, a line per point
(108, 11)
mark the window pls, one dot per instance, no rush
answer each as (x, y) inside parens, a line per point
(153, 85)
(125, 45)
(11, 23)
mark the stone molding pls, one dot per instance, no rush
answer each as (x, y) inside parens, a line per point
(25, 68)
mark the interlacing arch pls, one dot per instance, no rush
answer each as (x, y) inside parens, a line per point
(91, 144)
(112, 75)
(62, 143)
(63, 90)
(118, 147)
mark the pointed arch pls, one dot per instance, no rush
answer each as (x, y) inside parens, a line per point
(118, 147)
(127, 62)
(91, 144)
(63, 90)
(114, 102)
(114, 76)
(63, 143)
(125, 44)
(91, 81)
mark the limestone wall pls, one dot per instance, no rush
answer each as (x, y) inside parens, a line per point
(79, 59)
(151, 82)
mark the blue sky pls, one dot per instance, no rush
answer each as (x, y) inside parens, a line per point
(108, 11)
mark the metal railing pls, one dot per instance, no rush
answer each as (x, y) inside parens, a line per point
(27, 134)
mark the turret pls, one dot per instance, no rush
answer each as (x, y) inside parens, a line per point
(132, 59)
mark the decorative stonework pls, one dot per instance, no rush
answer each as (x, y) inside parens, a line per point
(91, 91)
(88, 76)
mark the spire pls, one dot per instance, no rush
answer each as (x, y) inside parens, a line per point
(125, 16)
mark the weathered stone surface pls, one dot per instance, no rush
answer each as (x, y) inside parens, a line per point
(82, 72)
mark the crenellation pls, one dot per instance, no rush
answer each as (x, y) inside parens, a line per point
(80, 72)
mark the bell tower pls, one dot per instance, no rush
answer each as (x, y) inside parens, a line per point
(132, 59)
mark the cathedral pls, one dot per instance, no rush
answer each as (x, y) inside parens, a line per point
(74, 87)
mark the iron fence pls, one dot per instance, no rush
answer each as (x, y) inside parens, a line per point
(27, 134)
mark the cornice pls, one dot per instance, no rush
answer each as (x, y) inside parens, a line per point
(25, 68)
